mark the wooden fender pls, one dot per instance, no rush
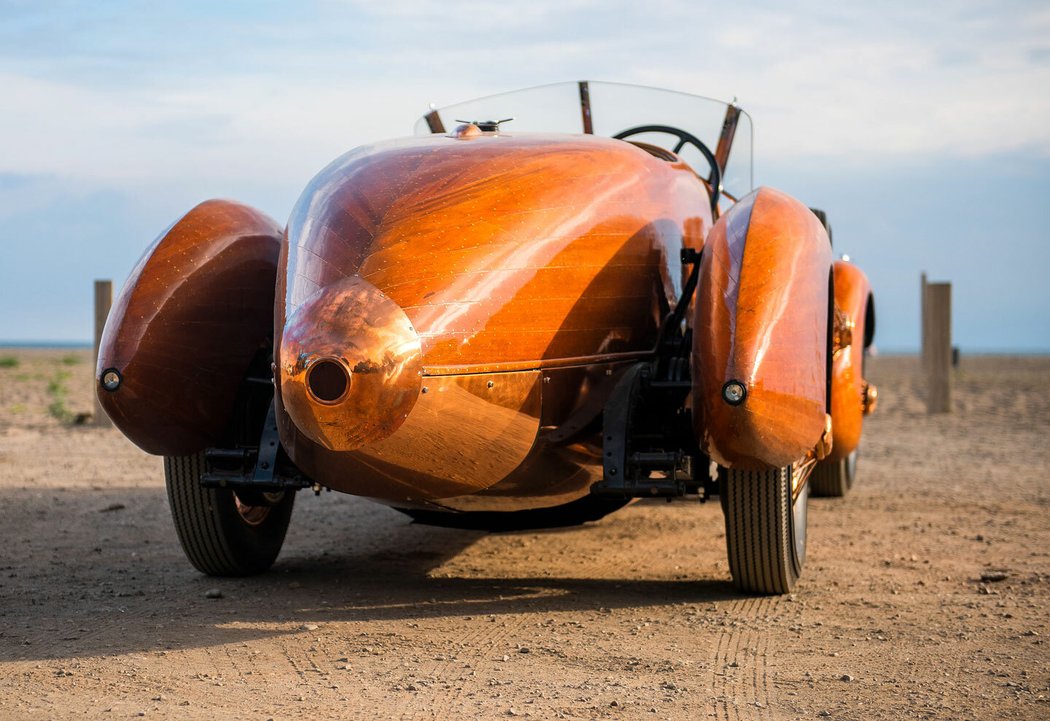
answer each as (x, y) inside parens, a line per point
(762, 322)
(854, 326)
(195, 311)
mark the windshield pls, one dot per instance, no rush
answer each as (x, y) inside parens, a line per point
(614, 108)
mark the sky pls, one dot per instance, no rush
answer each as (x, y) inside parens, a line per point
(923, 129)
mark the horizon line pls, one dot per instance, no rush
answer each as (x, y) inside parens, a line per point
(891, 351)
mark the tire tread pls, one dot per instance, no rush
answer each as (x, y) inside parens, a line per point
(759, 534)
(831, 479)
(205, 523)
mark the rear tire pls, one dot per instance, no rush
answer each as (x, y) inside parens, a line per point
(833, 479)
(221, 535)
(765, 531)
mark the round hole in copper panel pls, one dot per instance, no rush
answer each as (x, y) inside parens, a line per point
(328, 380)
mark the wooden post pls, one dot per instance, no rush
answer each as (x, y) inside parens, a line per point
(103, 301)
(924, 351)
(937, 342)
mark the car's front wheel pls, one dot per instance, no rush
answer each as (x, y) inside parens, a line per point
(224, 534)
(765, 515)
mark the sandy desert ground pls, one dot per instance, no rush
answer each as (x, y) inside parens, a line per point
(925, 593)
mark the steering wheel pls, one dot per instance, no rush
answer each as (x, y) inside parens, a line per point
(684, 138)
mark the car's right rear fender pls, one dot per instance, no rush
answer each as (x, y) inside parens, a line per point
(194, 313)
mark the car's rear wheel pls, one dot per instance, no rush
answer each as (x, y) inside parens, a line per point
(224, 534)
(833, 479)
(765, 517)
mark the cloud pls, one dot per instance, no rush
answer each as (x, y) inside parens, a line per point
(120, 116)
(871, 82)
(259, 93)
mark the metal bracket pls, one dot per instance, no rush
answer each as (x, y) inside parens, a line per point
(269, 445)
(256, 468)
(641, 459)
(487, 126)
(616, 429)
(647, 445)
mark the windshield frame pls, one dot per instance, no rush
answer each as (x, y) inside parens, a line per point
(732, 142)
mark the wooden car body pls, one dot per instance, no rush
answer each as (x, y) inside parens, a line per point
(521, 275)
(481, 321)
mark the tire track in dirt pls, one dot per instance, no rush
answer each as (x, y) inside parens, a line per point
(313, 683)
(83, 631)
(297, 666)
(482, 642)
(739, 681)
(424, 705)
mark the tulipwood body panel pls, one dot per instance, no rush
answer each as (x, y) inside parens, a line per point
(762, 320)
(510, 265)
(194, 313)
(503, 249)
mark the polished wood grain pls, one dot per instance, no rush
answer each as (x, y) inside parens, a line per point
(190, 319)
(762, 319)
(481, 442)
(852, 295)
(464, 434)
(475, 298)
(503, 249)
(498, 265)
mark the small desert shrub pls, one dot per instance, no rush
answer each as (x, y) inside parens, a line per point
(56, 388)
(8, 361)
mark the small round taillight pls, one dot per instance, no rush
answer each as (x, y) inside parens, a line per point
(734, 392)
(111, 379)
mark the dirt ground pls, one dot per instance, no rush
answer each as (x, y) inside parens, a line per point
(925, 593)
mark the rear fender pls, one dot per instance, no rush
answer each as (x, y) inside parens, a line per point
(195, 311)
(854, 328)
(762, 320)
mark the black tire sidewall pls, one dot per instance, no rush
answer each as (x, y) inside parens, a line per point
(254, 546)
(215, 537)
(798, 540)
